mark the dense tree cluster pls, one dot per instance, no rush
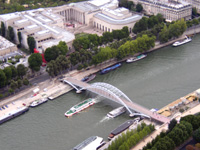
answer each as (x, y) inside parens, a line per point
(174, 137)
(13, 77)
(55, 67)
(131, 138)
(53, 52)
(141, 44)
(147, 23)
(193, 119)
(93, 40)
(35, 61)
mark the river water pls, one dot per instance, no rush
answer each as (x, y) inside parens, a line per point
(162, 77)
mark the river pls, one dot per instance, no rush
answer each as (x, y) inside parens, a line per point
(162, 77)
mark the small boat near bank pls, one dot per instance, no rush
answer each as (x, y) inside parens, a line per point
(133, 59)
(80, 106)
(116, 112)
(88, 78)
(106, 70)
(92, 143)
(13, 114)
(178, 43)
(38, 102)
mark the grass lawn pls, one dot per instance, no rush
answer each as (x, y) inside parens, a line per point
(81, 35)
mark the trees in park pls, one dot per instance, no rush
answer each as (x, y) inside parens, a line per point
(21, 70)
(196, 135)
(11, 34)
(35, 61)
(3, 29)
(31, 43)
(62, 48)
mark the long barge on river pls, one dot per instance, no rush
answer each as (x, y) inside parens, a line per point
(106, 70)
(13, 114)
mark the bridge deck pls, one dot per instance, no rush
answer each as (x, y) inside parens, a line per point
(131, 105)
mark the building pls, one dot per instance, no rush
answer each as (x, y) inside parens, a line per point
(194, 3)
(48, 25)
(171, 10)
(6, 46)
(103, 15)
(46, 28)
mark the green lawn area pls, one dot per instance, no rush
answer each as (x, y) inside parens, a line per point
(81, 35)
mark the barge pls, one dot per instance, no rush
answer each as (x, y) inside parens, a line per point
(38, 102)
(13, 114)
(106, 70)
(133, 59)
(88, 78)
(116, 112)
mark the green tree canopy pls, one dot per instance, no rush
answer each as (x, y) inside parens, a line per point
(8, 73)
(11, 34)
(2, 79)
(139, 7)
(35, 61)
(51, 53)
(3, 29)
(21, 70)
(62, 48)
(31, 43)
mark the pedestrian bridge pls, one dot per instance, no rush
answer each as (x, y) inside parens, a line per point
(112, 93)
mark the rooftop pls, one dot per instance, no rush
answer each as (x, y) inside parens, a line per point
(117, 21)
(4, 44)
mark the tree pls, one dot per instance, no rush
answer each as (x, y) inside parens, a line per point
(62, 62)
(35, 61)
(31, 43)
(11, 34)
(62, 48)
(14, 71)
(52, 68)
(172, 124)
(3, 30)
(51, 53)
(139, 7)
(21, 69)
(25, 81)
(19, 37)
(2, 79)
(196, 135)
(19, 83)
(194, 11)
(8, 73)
(13, 84)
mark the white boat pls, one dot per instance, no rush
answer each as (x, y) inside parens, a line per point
(38, 102)
(50, 98)
(178, 43)
(92, 143)
(133, 59)
(116, 112)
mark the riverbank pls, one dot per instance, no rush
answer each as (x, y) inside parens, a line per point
(55, 88)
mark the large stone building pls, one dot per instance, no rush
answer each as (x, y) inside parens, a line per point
(47, 28)
(194, 3)
(103, 15)
(171, 10)
(6, 46)
(48, 25)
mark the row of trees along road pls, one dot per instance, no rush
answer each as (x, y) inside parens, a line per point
(130, 5)
(130, 138)
(12, 78)
(176, 134)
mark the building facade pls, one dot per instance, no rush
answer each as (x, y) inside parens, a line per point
(6, 46)
(171, 10)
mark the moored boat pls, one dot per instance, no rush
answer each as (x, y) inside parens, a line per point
(116, 112)
(13, 114)
(38, 102)
(80, 106)
(106, 70)
(178, 43)
(92, 143)
(50, 98)
(120, 128)
(89, 78)
(133, 59)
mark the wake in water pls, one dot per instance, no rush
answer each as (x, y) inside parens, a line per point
(104, 119)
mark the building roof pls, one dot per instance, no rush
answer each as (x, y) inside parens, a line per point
(111, 20)
(4, 44)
